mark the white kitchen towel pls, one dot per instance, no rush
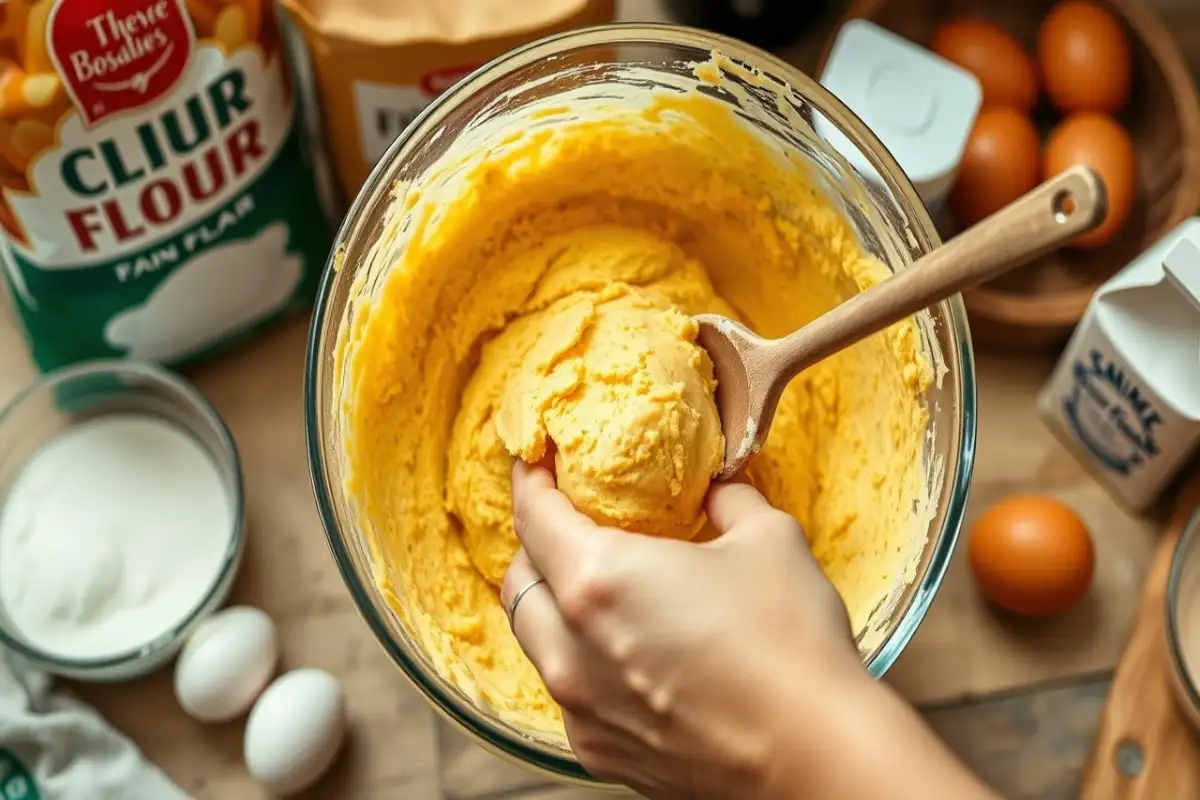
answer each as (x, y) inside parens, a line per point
(55, 747)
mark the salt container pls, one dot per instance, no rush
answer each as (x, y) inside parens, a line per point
(1125, 395)
(921, 106)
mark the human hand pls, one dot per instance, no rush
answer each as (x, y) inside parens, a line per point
(680, 667)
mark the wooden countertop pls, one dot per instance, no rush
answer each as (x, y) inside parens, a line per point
(399, 748)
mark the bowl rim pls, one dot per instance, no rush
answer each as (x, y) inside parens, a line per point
(448, 704)
(173, 636)
(1187, 684)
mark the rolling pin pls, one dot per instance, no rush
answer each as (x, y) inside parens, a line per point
(1145, 749)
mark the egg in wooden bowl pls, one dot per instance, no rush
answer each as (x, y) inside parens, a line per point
(1101, 83)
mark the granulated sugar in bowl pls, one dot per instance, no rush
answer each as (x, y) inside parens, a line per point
(120, 519)
(613, 171)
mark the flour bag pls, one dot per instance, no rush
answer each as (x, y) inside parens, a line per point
(155, 200)
(372, 66)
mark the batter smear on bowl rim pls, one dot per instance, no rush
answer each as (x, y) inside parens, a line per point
(532, 293)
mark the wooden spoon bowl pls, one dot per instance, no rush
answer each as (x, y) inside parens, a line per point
(752, 372)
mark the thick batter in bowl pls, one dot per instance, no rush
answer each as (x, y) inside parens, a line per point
(519, 274)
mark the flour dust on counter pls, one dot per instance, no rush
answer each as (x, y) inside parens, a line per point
(155, 201)
(111, 535)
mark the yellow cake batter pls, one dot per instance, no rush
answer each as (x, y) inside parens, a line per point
(534, 289)
(615, 380)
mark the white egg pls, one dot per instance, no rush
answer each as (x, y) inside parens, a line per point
(226, 663)
(295, 730)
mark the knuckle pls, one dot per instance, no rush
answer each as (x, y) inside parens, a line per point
(564, 681)
(588, 745)
(508, 588)
(621, 648)
(591, 590)
(791, 527)
(599, 764)
(773, 536)
(772, 526)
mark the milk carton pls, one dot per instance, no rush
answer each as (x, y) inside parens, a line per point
(921, 106)
(1126, 393)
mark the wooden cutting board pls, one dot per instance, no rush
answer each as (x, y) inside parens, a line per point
(1145, 749)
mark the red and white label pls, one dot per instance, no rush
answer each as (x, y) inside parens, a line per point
(384, 109)
(117, 55)
(439, 80)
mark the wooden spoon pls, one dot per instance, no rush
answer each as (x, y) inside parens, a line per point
(752, 372)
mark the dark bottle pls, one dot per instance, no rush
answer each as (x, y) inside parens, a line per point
(765, 23)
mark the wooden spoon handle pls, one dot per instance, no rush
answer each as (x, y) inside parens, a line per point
(1071, 203)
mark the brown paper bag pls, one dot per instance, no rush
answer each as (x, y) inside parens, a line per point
(375, 64)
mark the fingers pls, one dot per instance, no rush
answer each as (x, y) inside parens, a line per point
(520, 573)
(533, 616)
(733, 502)
(552, 532)
(540, 630)
(578, 676)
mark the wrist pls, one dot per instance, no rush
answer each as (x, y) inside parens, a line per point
(860, 739)
(816, 731)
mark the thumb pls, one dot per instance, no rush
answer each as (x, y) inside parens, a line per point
(733, 502)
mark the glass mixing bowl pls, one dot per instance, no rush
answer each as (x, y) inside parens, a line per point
(889, 220)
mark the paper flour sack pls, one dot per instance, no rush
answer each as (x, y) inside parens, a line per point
(370, 67)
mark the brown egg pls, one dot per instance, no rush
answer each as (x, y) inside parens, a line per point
(1032, 555)
(1001, 162)
(1084, 57)
(1101, 143)
(1005, 72)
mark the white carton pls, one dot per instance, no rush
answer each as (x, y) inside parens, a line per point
(1126, 392)
(921, 106)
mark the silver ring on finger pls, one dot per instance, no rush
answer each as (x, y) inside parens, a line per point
(519, 596)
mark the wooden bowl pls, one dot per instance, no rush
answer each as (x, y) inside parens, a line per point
(1038, 305)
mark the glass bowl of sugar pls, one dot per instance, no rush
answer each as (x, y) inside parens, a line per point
(121, 518)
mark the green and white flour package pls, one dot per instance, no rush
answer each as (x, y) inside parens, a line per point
(156, 200)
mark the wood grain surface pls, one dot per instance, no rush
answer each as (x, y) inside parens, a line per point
(1145, 749)
(396, 747)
